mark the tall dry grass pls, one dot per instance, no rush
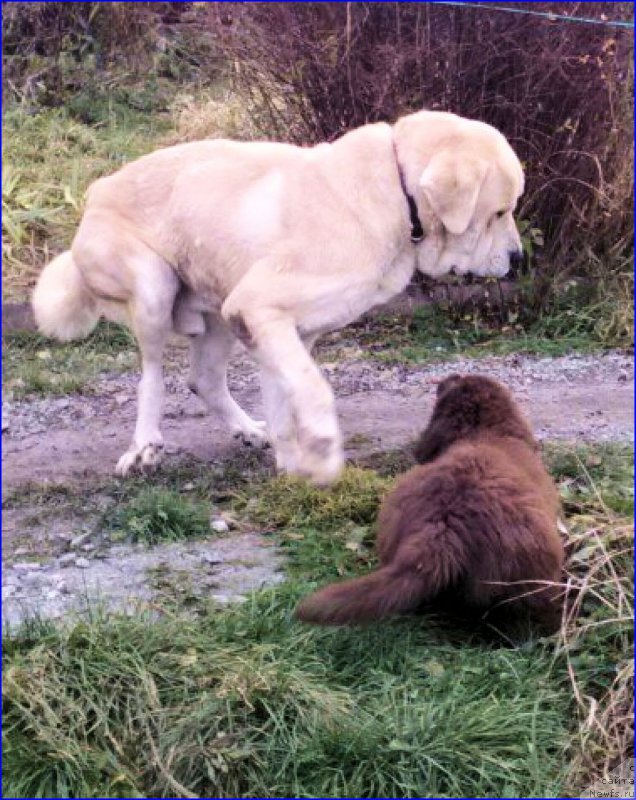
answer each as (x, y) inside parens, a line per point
(561, 92)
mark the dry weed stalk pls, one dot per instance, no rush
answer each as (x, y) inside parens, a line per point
(599, 559)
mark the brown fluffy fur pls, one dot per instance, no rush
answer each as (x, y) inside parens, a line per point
(477, 520)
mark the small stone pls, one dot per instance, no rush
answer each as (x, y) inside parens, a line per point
(209, 558)
(52, 594)
(21, 551)
(120, 399)
(7, 591)
(32, 578)
(83, 563)
(26, 566)
(62, 588)
(66, 559)
(78, 541)
(88, 547)
(622, 377)
(5, 423)
(64, 402)
(231, 521)
(187, 487)
(220, 525)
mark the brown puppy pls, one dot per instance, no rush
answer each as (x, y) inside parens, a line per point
(476, 520)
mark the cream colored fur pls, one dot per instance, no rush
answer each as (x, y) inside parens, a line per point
(62, 305)
(275, 244)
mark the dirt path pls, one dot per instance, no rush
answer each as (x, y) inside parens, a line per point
(51, 567)
(578, 398)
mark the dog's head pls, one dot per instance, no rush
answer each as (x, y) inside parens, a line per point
(466, 181)
(468, 404)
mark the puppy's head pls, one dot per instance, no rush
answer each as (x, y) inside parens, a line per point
(466, 405)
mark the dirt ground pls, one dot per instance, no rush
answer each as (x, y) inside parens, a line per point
(49, 568)
(381, 407)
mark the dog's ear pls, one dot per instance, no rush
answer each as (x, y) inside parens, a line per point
(451, 184)
(433, 441)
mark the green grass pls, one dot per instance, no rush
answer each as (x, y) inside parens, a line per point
(599, 476)
(35, 365)
(431, 333)
(158, 515)
(247, 703)
(244, 701)
(286, 501)
(55, 154)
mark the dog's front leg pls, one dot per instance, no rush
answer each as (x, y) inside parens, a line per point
(281, 424)
(299, 404)
(281, 418)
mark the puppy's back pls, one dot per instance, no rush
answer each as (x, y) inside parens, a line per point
(478, 518)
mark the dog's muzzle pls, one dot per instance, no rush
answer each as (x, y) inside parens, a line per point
(515, 257)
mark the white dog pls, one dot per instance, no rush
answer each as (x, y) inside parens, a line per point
(274, 245)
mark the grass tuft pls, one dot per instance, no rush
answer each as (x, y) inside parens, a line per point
(287, 501)
(156, 515)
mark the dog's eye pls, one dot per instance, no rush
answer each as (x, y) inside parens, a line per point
(501, 213)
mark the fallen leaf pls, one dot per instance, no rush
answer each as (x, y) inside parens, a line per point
(434, 668)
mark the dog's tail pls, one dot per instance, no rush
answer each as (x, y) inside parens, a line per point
(392, 589)
(62, 304)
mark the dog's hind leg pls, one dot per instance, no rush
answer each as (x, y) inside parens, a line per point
(120, 270)
(209, 354)
(151, 320)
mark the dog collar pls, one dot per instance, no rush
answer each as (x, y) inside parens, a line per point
(417, 231)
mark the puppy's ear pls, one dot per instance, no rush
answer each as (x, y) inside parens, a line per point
(433, 441)
(448, 383)
(451, 184)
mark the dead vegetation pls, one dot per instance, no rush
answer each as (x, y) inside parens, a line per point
(561, 92)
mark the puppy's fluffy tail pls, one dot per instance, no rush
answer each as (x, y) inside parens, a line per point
(415, 575)
(63, 307)
(380, 594)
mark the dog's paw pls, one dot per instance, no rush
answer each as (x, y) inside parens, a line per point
(140, 459)
(286, 455)
(321, 459)
(252, 435)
